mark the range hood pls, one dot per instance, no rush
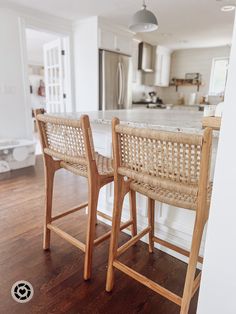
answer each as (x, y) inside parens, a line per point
(146, 57)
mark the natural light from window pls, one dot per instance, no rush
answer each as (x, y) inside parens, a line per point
(219, 73)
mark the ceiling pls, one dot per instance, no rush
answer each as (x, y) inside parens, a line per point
(35, 41)
(182, 23)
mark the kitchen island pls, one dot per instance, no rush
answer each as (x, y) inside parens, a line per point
(179, 120)
(172, 224)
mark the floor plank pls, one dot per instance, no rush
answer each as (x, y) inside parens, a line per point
(57, 275)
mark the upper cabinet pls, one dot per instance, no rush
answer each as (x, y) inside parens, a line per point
(124, 44)
(161, 74)
(90, 35)
(162, 66)
(115, 40)
(106, 39)
(136, 73)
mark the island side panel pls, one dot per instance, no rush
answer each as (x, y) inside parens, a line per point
(172, 224)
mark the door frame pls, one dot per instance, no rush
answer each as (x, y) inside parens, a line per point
(67, 35)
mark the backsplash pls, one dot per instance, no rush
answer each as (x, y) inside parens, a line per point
(184, 61)
(193, 61)
(139, 91)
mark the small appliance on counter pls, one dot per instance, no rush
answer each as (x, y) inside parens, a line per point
(152, 101)
(156, 101)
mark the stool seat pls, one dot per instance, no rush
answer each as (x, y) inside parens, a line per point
(104, 166)
(166, 196)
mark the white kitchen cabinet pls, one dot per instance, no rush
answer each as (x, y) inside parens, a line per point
(161, 75)
(162, 66)
(114, 41)
(90, 35)
(124, 44)
(106, 39)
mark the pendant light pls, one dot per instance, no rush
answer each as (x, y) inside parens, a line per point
(143, 21)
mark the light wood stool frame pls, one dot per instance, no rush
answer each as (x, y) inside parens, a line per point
(123, 185)
(53, 161)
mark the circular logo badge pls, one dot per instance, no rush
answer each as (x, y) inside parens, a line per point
(22, 291)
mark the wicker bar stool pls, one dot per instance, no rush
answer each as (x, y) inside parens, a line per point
(68, 144)
(168, 167)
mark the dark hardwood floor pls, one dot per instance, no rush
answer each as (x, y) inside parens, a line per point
(57, 275)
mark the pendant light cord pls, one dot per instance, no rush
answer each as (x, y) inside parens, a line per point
(144, 4)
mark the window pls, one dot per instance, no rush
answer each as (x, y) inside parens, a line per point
(219, 73)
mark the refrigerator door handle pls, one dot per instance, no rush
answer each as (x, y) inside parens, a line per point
(120, 84)
(123, 84)
(103, 82)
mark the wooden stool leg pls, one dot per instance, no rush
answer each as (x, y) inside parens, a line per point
(133, 212)
(193, 257)
(92, 214)
(116, 219)
(49, 179)
(151, 217)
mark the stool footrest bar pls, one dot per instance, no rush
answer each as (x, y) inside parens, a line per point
(67, 237)
(107, 234)
(102, 238)
(148, 283)
(70, 211)
(196, 283)
(175, 248)
(126, 224)
(132, 241)
(105, 216)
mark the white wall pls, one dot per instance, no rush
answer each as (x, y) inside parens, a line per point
(193, 61)
(14, 113)
(86, 64)
(218, 287)
(35, 42)
(139, 91)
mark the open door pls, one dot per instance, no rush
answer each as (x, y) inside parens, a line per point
(54, 68)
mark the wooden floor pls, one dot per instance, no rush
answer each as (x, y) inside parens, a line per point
(56, 275)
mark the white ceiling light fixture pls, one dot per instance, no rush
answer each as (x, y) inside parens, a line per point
(228, 8)
(143, 21)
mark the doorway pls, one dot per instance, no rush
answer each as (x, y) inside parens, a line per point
(48, 71)
(48, 66)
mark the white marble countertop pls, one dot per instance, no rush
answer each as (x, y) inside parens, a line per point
(164, 119)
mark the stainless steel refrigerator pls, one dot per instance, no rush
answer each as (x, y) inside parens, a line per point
(115, 79)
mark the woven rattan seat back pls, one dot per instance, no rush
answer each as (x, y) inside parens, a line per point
(67, 144)
(65, 139)
(166, 159)
(170, 168)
